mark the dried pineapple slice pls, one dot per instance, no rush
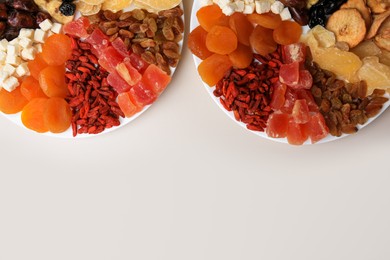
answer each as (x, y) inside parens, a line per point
(93, 2)
(376, 74)
(116, 5)
(158, 5)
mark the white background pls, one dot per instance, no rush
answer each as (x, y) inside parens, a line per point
(184, 182)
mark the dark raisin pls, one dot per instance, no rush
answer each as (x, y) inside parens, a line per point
(67, 9)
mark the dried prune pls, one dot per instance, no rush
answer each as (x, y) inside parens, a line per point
(3, 12)
(24, 5)
(21, 19)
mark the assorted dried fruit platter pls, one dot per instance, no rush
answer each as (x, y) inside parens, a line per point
(86, 67)
(294, 71)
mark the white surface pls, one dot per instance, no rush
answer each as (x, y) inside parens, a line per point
(184, 182)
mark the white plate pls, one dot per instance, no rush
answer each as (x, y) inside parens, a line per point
(193, 25)
(16, 118)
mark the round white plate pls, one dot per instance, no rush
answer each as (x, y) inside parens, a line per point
(16, 118)
(193, 25)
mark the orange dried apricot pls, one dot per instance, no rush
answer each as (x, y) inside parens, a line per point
(262, 40)
(32, 115)
(36, 65)
(57, 49)
(240, 24)
(12, 102)
(288, 32)
(30, 88)
(221, 40)
(197, 43)
(57, 115)
(242, 57)
(267, 20)
(214, 68)
(211, 15)
(52, 81)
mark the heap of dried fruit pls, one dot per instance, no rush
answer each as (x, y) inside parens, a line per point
(155, 37)
(344, 105)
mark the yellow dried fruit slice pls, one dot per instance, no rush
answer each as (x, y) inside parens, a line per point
(93, 2)
(116, 5)
(382, 39)
(361, 6)
(376, 74)
(83, 7)
(348, 25)
(378, 6)
(160, 5)
(87, 9)
(141, 5)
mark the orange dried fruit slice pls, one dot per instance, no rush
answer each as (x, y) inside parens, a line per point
(197, 43)
(36, 65)
(31, 89)
(52, 81)
(57, 49)
(209, 15)
(57, 115)
(214, 68)
(288, 32)
(12, 102)
(242, 57)
(32, 115)
(221, 40)
(262, 41)
(240, 24)
(267, 20)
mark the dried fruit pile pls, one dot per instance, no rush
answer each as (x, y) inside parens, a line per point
(87, 78)
(274, 83)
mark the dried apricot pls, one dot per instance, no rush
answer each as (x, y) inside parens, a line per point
(30, 88)
(221, 40)
(262, 40)
(57, 115)
(32, 115)
(239, 23)
(12, 102)
(197, 43)
(267, 20)
(57, 49)
(36, 65)
(52, 81)
(242, 57)
(211, 15)
(214, 68)
(288, 32)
